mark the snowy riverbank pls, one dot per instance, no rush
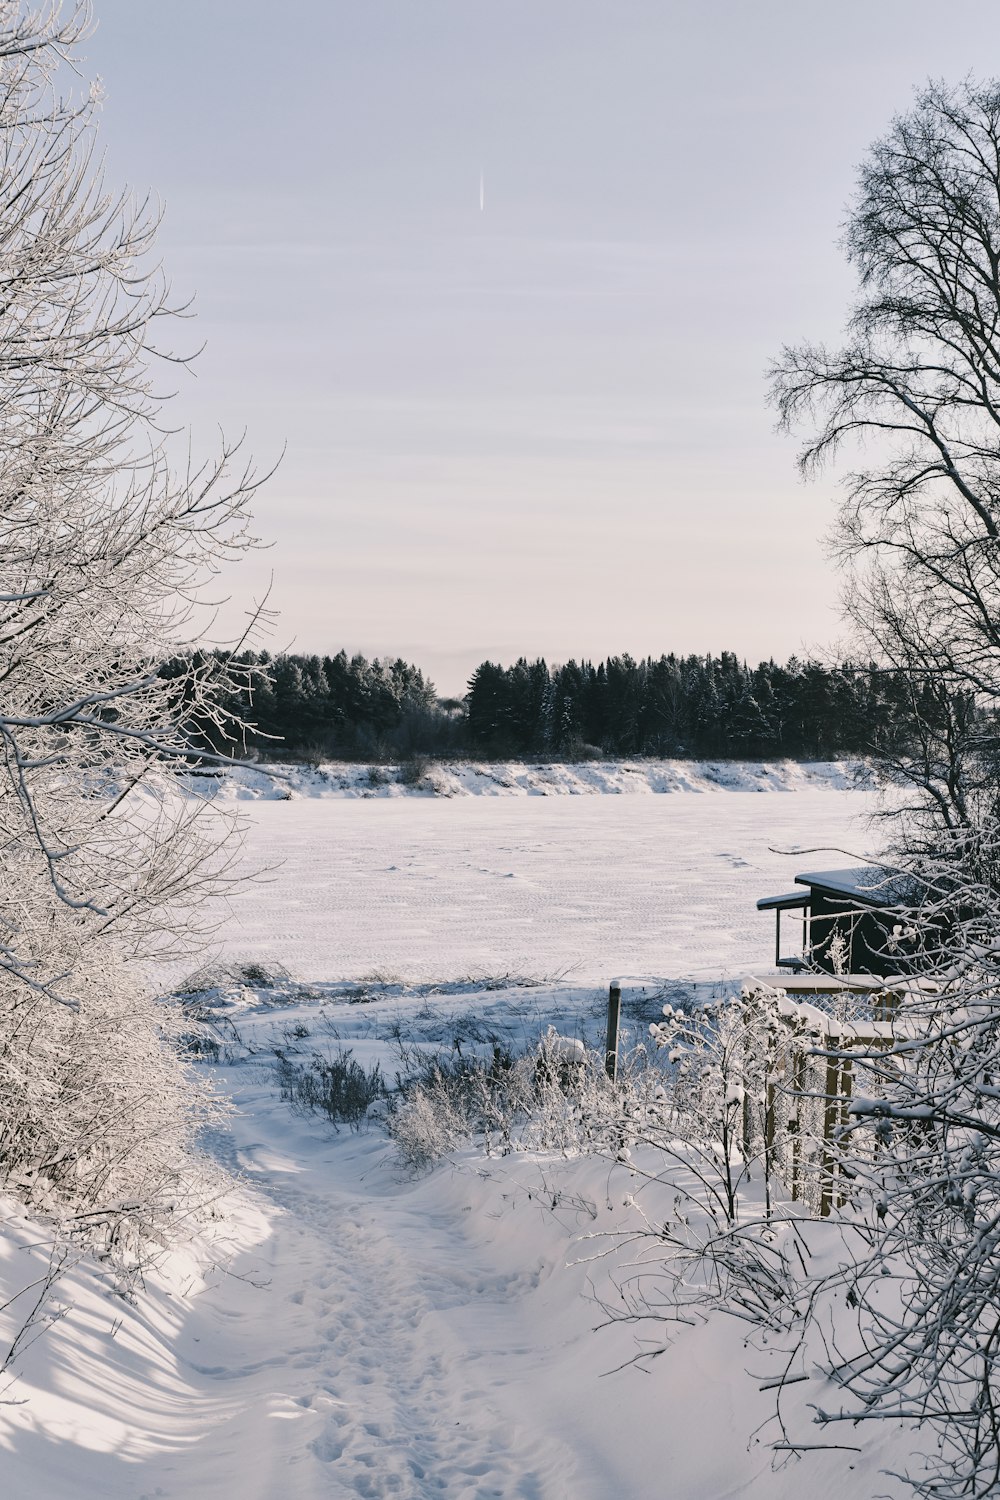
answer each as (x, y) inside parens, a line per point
(249, 782)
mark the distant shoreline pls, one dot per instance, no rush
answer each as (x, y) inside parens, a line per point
(287, 781)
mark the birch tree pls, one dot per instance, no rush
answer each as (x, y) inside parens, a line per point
(914, 397)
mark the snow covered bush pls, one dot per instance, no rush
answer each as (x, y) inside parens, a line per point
(436, 1118)
(714, 1142)
(414, 770)
(720, 1098)
(445, 1102)
(556, 1096)
(99, 1114)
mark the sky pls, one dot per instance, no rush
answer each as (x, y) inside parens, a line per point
(537, 427)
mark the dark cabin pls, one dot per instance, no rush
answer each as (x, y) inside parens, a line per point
(866, 906)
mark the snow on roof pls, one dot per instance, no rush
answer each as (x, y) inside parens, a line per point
(871, 885)
(783, 903)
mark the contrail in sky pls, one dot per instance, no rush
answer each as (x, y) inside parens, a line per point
(482, 191)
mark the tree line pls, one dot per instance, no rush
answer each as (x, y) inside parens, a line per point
(304, 706)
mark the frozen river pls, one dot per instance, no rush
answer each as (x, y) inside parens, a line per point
(434, 889)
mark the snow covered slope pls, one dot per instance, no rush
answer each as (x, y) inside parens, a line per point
(346, 1331)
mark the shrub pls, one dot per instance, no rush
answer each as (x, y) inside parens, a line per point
(554, 1097)
(414, 769)
(335, 1085)
(99, 1112)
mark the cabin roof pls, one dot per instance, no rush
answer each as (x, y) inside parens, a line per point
(787, 902)
(868, 885)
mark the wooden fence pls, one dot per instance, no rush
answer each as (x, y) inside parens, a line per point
(808, 1076)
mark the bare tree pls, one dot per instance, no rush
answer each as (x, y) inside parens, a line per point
(916, 392)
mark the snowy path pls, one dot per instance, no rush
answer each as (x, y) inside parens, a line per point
(417, 1340)
(395, 1340)
(371, 1391)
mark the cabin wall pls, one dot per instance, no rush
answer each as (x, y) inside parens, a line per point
(865, 932)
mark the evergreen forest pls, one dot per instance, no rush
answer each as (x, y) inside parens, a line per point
(341, 707)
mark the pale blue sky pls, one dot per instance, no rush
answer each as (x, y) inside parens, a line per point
(539, 429)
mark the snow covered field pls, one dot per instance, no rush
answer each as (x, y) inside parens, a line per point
(594, 886)
(345, 1331)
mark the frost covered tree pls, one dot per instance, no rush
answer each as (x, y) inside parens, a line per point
(915, 393)
(104, 549)
(102, 546)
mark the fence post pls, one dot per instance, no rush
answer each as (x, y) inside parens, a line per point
(831, 1119)
(611, 1046)
(798, 1081)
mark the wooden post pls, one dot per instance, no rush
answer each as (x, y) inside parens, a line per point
(885, 1006)
(831, 1120)
(846, 1090)
(614, 1012)
(798, 1082)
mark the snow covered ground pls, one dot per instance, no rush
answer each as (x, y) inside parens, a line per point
(343, 1330)
(347, 1331)
(596, 886)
